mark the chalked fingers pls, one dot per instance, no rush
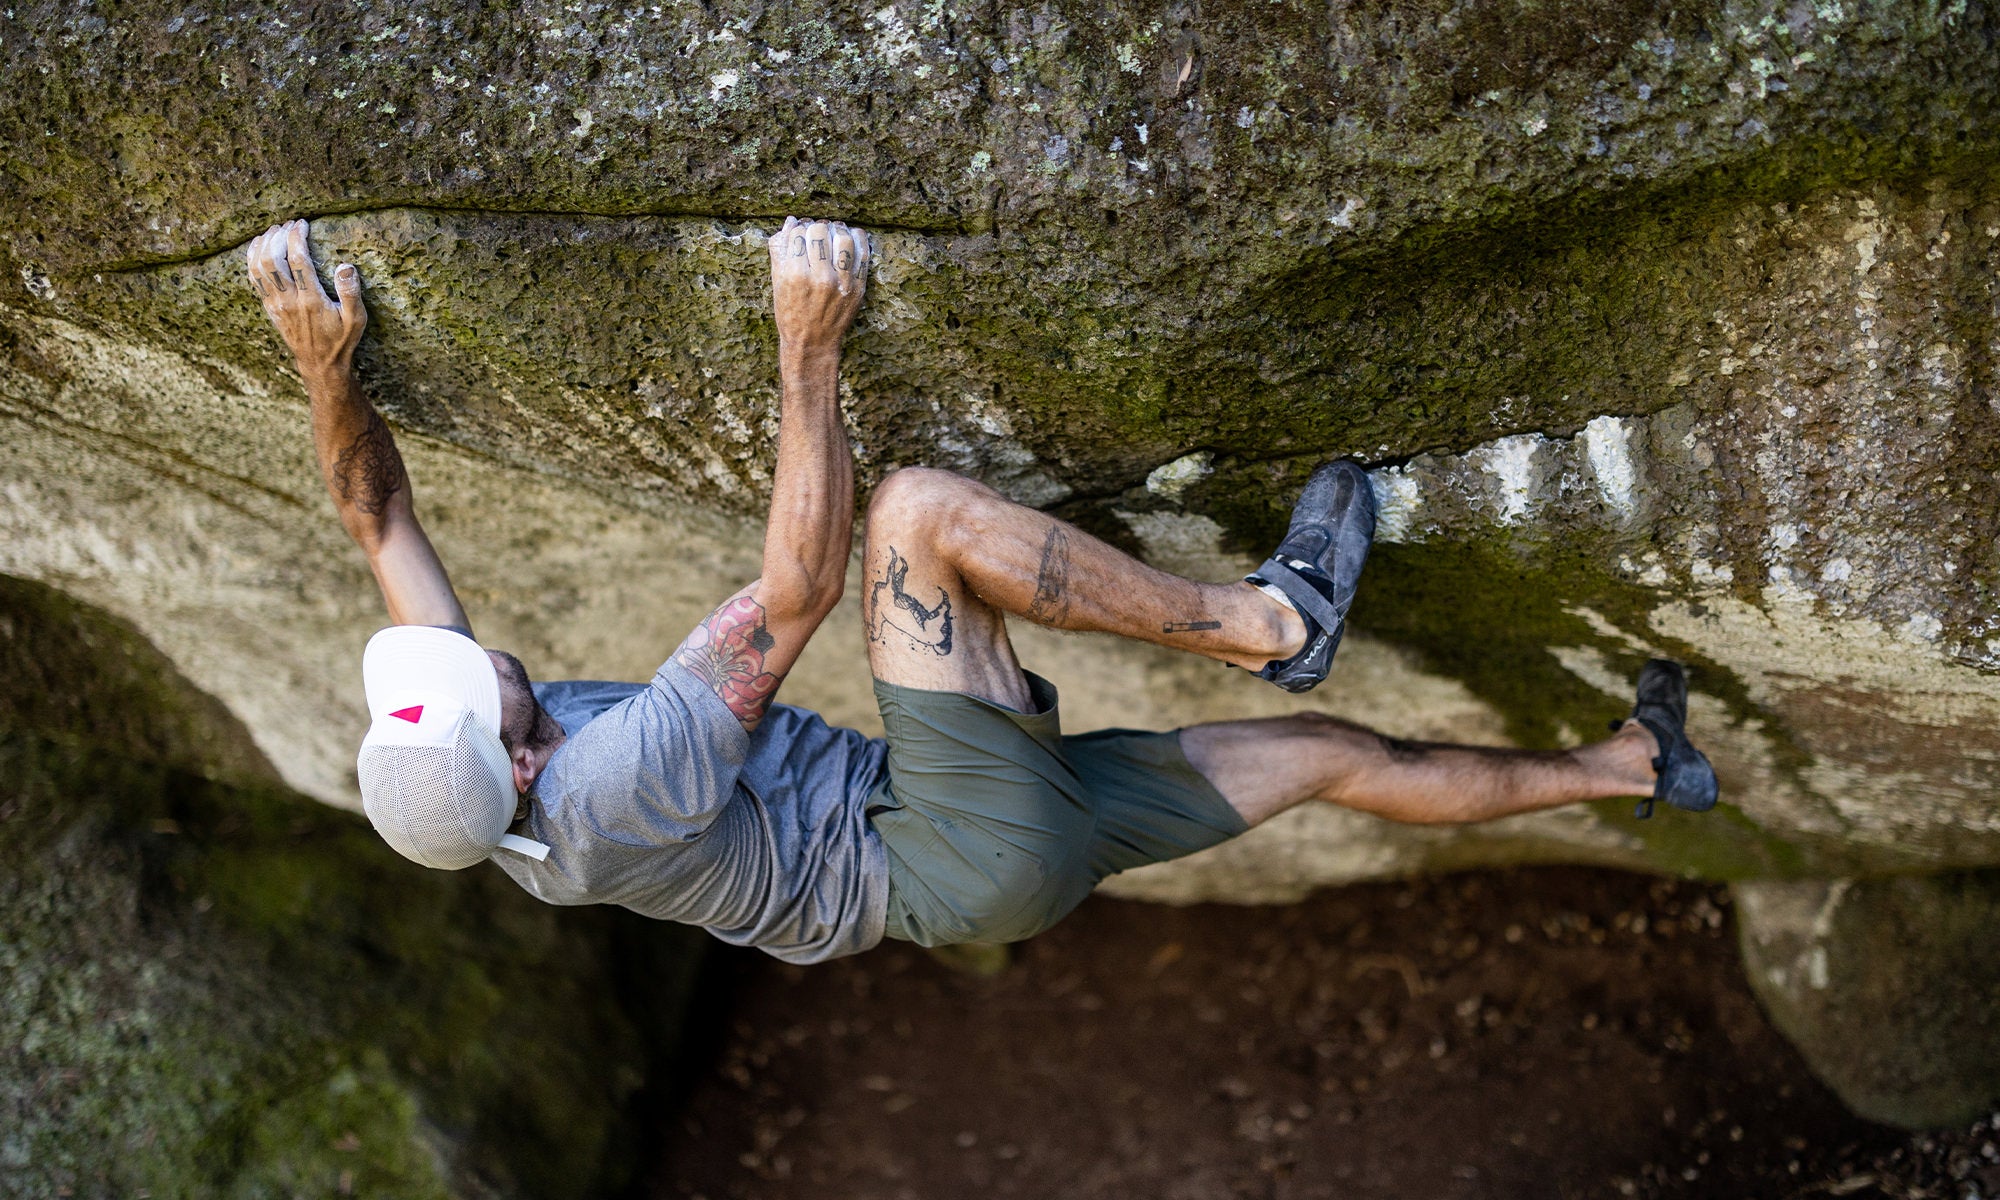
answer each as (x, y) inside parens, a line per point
(298, 256)
(274, 259)
(844, 260)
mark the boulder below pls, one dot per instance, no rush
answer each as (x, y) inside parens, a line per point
(1886, 986)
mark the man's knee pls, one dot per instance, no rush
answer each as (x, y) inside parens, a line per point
(919, 503)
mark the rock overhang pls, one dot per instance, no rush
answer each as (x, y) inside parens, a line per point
(1640, 313)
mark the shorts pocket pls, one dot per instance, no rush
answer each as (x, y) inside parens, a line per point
(980, 887)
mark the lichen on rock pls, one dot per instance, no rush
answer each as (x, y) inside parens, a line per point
(1665, 329)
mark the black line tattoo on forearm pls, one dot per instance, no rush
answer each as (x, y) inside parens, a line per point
(1189, 626)
(369, 472)
(1051, 602)
(933, 622)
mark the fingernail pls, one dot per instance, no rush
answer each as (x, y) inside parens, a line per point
(346, 271)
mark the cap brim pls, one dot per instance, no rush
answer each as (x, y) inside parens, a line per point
(405, 662)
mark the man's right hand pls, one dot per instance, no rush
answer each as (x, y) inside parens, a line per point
(819, 270)
(321, 331)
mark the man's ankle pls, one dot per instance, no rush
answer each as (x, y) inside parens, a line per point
(1285, 629)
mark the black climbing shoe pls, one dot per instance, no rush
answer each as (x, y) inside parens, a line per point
(1318, 567)
(1685, 778)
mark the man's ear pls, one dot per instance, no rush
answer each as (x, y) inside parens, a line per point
(522, 759)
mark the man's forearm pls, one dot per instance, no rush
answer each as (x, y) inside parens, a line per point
(811, 526)
(357, 454)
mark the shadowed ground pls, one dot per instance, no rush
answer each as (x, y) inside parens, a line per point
(1530, 1034)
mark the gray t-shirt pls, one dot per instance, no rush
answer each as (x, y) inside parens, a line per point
(658, 801)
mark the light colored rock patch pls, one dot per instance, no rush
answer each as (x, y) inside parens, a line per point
(1902, 741)
(1607, 441)
(1740, 749)
(1187, 544)
(1398, 503)
(1169, 480)
(1510, 463)
(974, 436)
(1527, 485)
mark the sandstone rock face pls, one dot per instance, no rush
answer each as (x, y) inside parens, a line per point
(1668, 329)
(212, 986)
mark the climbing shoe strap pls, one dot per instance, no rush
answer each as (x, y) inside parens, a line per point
(1300, 581)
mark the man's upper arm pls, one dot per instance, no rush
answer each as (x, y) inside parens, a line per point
(412, 577)
(742, 651)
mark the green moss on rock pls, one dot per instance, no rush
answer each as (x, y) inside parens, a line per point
(225, 989)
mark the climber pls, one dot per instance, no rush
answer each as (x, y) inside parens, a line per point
(696, 798)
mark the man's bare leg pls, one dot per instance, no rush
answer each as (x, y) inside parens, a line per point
(1265, 767)
(946, 556)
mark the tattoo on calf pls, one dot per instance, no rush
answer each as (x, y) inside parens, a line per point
(1189, 626)
(727, 653)
(369, 471)
(1051, 602)
(933, 622)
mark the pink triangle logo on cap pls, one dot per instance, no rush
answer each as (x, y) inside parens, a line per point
(412, 714)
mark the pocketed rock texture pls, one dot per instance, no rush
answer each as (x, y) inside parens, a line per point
(1666, 328)
(211, 986)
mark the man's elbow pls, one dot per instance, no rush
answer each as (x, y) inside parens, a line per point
(375, 528)
(370, 531)
(801, 591)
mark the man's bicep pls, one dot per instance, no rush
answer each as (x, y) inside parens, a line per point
(743, 650)
(413, 579)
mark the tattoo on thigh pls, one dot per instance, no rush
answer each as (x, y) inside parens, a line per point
(1189, 626)
(369, 471)
(932, 623)
(727, 653)
(1051, 602)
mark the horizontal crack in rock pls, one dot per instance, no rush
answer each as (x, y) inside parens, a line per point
(741, 220)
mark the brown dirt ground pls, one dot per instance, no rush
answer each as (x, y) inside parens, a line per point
(1549, 1033)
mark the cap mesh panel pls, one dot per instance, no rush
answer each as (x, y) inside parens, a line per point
(434, 804)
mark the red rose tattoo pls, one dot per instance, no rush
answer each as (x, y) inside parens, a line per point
(727, 653)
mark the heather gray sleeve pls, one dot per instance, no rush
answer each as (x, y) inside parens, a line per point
(654, 769)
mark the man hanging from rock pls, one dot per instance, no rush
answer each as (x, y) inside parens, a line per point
(694, 797)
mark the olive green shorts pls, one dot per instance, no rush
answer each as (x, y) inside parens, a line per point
(997, 825)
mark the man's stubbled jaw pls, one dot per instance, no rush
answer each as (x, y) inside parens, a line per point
(523, 720)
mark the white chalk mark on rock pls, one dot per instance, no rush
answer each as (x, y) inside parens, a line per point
(1511, 463)
(1397, 502)
(1608, 443)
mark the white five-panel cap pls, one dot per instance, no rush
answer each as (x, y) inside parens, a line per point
(435, 779)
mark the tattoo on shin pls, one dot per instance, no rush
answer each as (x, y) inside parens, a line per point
(369, 471)
(1189, 626)
(727, 653)
(1051, 602)
(932, 623)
